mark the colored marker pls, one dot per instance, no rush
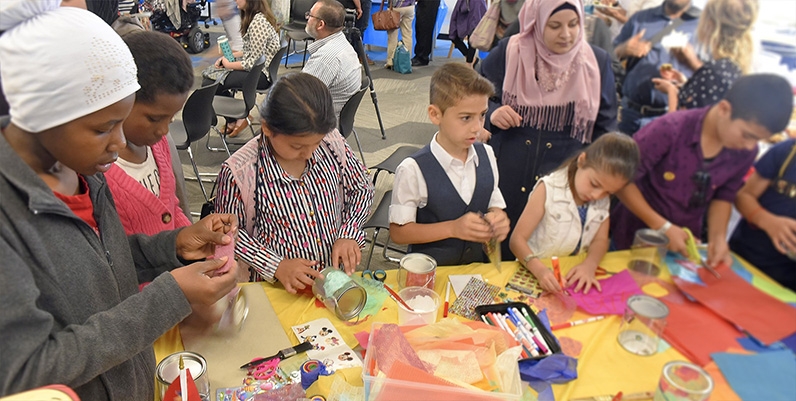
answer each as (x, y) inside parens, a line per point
(447, 299)
(557, 273)
(577, 322)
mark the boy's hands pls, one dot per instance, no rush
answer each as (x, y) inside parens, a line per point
(471, 227)
(504, 117)
(677, 240)
(718, 252)
(199, 287)
(782, 231)
(583, 274)
(199, 240)
(499, 222)
(347, 252)
(296, 274)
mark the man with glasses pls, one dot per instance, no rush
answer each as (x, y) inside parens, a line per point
(332, 59)
(693, 162)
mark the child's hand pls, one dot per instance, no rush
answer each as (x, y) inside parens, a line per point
(296, 274)
(472, 227)
(583, 275)
(199, 284)
(504, 117)
(677, 239)
(718, 252)
(499, 221)
(664, 85)
(347, 252)
(782, 231)
(547, 280)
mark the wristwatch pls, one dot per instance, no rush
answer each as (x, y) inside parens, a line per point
(665, 227)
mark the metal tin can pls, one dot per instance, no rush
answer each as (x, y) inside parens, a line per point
(341, 295)
(417, 270)
(169, 369)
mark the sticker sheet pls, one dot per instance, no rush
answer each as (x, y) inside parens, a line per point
(328, 345)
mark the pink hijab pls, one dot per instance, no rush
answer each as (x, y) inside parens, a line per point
(567, 91)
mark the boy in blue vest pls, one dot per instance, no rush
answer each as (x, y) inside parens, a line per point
(445, 200)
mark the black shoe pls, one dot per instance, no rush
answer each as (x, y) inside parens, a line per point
(416, 62)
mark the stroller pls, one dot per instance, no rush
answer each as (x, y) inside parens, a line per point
(192, 38)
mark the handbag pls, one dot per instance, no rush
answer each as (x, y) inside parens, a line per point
(402, 60)
(484, 33)
(386, 20)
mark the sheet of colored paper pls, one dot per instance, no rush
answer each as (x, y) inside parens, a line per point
(615, 292)
(696, 331)
(763, 316)
(775, 290)
(763, 376)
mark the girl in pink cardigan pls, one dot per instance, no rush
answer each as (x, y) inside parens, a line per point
(142, 180)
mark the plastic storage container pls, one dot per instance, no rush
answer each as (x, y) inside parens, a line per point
(401, 390)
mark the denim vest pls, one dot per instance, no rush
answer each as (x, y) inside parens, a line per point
(560, 229)
(445, 204)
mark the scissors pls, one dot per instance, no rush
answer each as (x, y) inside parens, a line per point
(601, 272)
(378, 275)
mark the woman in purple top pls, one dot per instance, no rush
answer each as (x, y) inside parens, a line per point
(693, 162)
(465, 17)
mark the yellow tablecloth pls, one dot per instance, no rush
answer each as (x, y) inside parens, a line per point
(604, 367)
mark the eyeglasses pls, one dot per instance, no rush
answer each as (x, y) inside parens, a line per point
(307, 16)
(699, 197)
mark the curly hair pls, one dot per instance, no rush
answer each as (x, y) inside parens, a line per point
(163, 65)
(725, 27)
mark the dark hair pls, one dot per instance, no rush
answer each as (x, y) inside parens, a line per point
(612, 153)
(454, 81)
(252, 8)
(163, 65)
(765, 99)
(108, 10)
(298, 103)
(565, 6)
(332, 13)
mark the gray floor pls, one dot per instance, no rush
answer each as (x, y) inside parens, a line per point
(402, 102)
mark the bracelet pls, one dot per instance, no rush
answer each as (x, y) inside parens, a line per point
(665, 227)
(528, 258)
(753, 214)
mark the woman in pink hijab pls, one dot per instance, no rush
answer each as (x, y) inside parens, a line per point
(554, 94)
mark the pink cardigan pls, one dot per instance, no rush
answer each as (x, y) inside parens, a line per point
(139, 209)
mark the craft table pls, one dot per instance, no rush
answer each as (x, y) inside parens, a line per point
(604, 367)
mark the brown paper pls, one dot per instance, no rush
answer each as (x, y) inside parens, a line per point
(261, 335)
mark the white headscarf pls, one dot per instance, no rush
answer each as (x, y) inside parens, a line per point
(58, 64)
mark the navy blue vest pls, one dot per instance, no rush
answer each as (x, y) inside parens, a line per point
(445, 204)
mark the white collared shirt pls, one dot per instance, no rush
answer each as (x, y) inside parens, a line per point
(411, 193)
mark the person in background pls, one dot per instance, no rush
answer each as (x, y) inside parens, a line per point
(426, 13)
(70, 273)
(363, 21)
(725, 30)
(406, 8)
(260, 44)
(554, 94)
(332, 58)
(644, 58)
(766, 236)
(693, 162)
(465, 17)
(142, 180)
(451, 219)
(568, 212)
(619, 11)
(298, 190)
(228, 11)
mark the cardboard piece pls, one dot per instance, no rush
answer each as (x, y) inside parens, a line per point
(261, 335)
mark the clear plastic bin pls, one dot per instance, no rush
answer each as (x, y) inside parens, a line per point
(384, 389)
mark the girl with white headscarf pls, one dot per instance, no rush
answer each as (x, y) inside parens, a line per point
(554, 94)
(69, 277)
